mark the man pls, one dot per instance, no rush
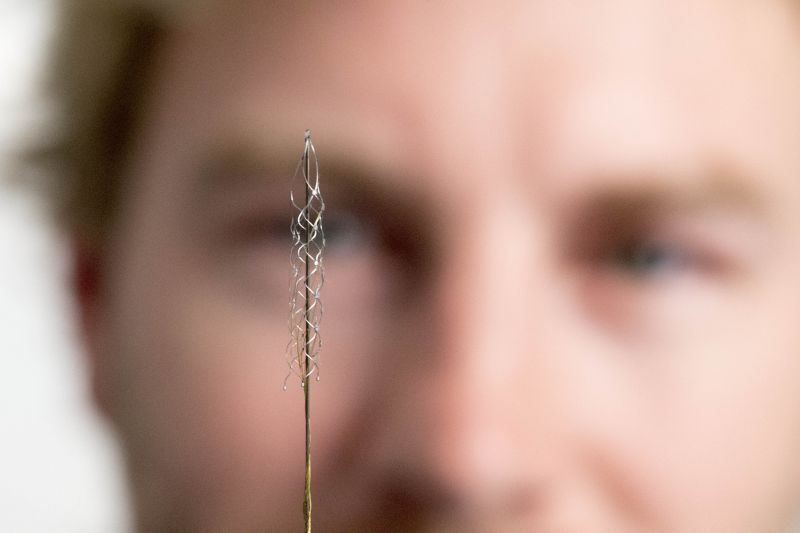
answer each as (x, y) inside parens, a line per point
(563, 245)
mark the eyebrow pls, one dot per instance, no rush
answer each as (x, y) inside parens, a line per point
(347, 180)
(232, 165)
(656, 194)
(623, 207)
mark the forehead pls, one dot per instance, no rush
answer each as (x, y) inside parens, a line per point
(615, 86)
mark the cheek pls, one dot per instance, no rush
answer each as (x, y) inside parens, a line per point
(204, 411)
(198, 384)
(703, 432)
(727, 405)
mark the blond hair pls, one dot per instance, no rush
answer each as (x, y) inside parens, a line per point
(102, 57)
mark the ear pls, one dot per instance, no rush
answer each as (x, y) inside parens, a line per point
(86, 287)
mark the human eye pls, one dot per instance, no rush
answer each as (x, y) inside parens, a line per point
(668, 273)
(368, 251)
(652, 259)
(261, 242)
(660, 250)
(646, 264)
(339, 232)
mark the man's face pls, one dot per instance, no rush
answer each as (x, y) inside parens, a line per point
(561, 275)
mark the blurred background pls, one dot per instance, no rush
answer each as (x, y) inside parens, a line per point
(60, 469)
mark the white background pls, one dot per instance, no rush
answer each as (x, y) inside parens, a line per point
(59, 465)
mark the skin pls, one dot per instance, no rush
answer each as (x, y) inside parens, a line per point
(561, 278)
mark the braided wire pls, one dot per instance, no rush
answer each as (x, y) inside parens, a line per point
(307, 274)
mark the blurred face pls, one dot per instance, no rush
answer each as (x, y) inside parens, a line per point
(561, 277)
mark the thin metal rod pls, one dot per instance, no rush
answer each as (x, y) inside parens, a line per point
(307, 350)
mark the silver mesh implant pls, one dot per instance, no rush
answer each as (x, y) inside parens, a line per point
(308, 243)
(305, 306)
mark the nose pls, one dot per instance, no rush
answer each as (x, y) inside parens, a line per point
(457, 438)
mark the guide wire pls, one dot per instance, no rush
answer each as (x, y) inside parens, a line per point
(305, 305)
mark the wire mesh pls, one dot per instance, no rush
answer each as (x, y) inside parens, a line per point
(307, 273)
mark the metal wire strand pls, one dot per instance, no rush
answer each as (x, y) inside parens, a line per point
(307, 273)
(305, 306)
